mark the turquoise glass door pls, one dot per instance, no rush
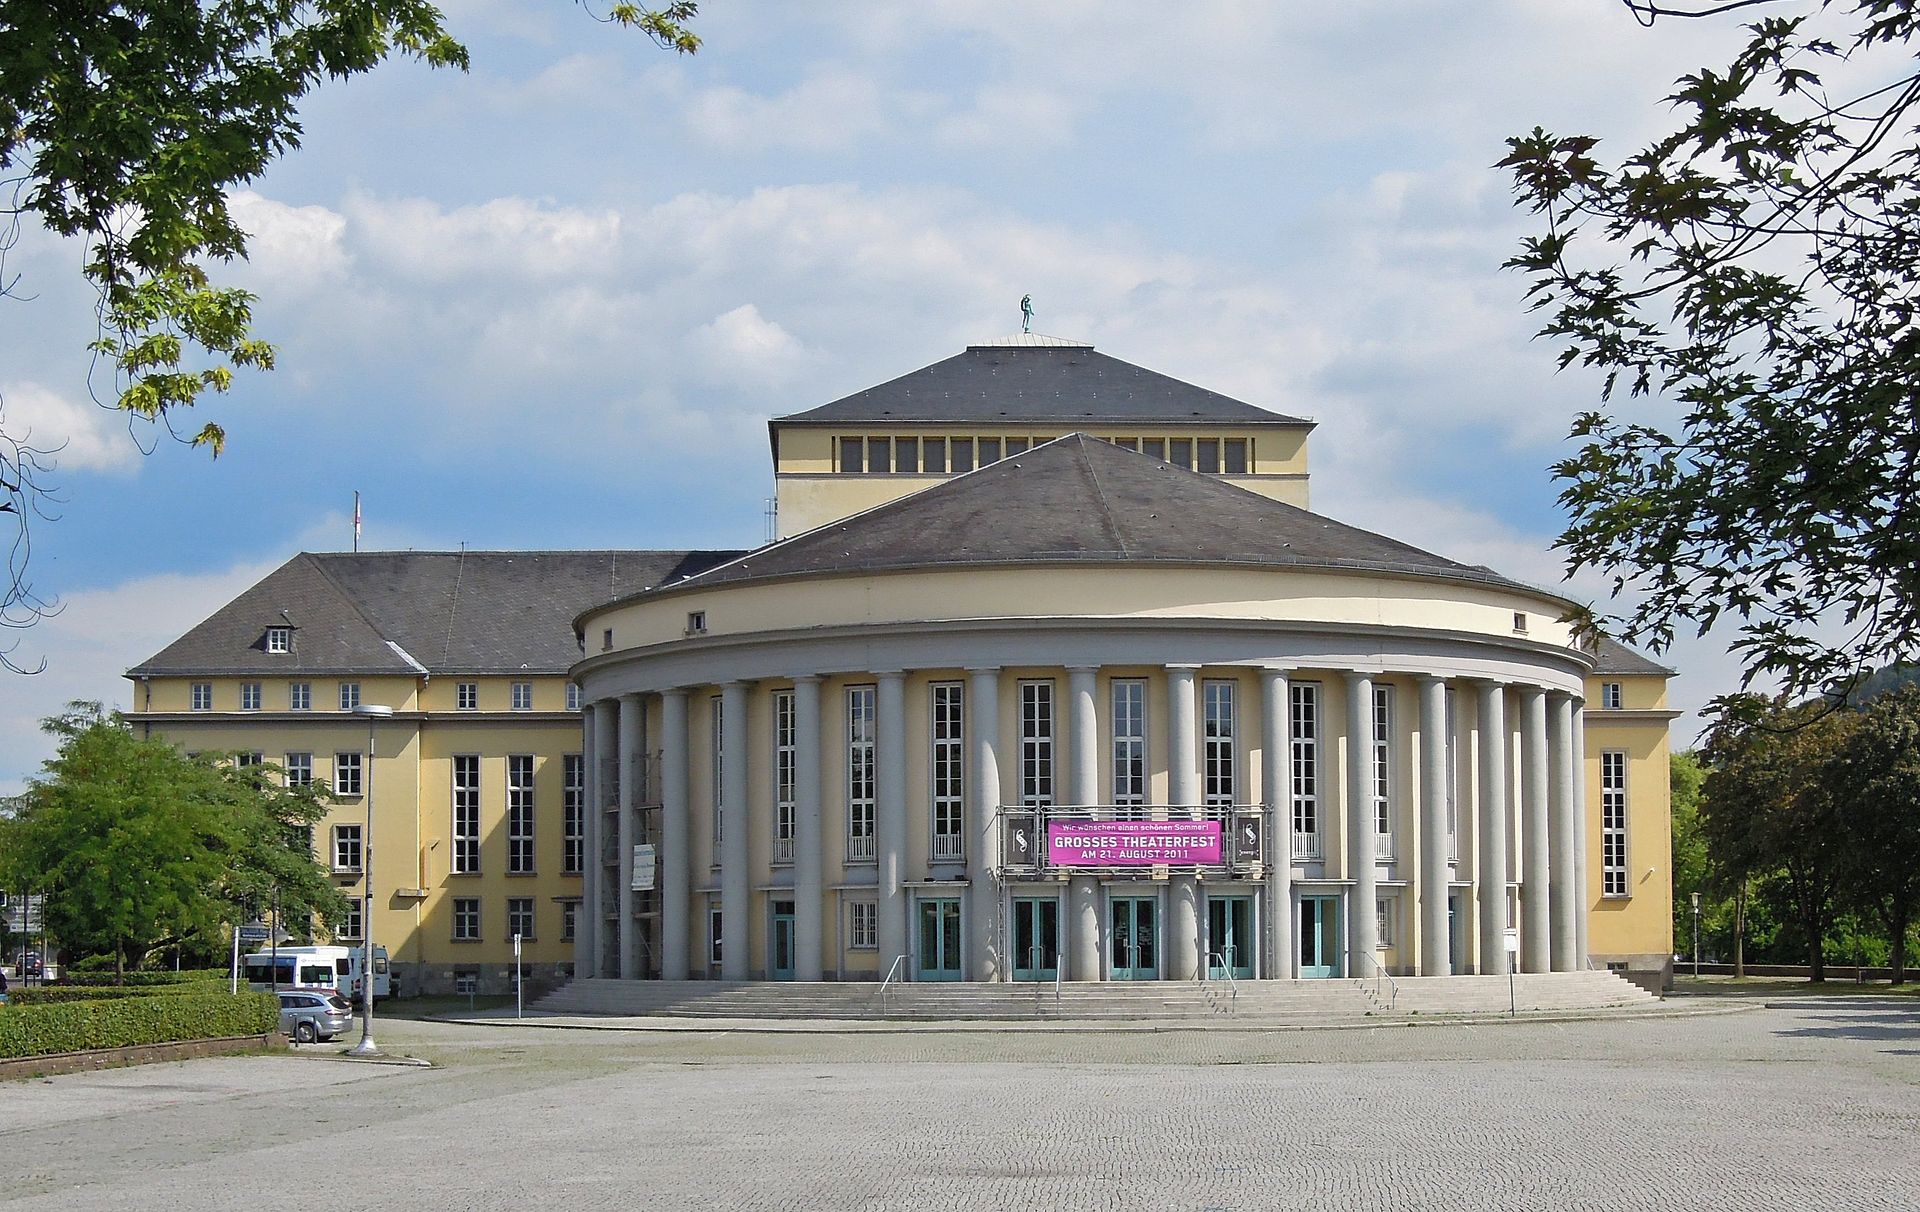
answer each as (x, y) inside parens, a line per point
(1036, 938)
(783, 940)
(1319, 919)
(939, 941)
(1230, 934)
(1135, 938)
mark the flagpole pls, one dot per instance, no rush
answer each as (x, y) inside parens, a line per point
(356, 521)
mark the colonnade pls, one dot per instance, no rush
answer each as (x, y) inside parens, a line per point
(1542, 809)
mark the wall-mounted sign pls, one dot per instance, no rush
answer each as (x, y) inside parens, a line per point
(1020, 842)
(1133, 843)
(1246, 839)
(643, 867)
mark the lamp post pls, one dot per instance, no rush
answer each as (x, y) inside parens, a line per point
(366, 1047)
(1696, 936)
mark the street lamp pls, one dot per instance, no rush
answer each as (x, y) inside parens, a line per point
(1696, 936)
(366, 1047)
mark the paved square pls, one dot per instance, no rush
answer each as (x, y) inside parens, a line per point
(1809, 1107)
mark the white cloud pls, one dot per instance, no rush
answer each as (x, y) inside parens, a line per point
(743, 346)
(832, 110)
(290, 247)
(74, 435)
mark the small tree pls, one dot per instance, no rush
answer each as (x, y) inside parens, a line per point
(138, 846)
(1876, 783)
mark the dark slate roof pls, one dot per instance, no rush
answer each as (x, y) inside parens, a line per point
(1046, 381)
(449, 611)
(1078, 499)
(1614, 657)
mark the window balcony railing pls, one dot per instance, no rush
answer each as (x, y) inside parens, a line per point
(860, 848)
(949, 848)
(1308, 847)
(783, 850)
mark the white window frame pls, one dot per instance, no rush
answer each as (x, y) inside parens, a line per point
(520, 913)
(1037, 716)
(466, 919)
(1305, 702)
(569, 920)
(786, 759)
(1127, 733)
(1612, 695)
(249, 696)
(1386, 913)
(466, 696)
(573, 696)
(299, 768)
(861, 773)
(1614, 869)
(347, 852)
(1219, 703)
(350, 926)
(200, 696)
(299, 696)
(863, 926)
(947, 738)
(717, 745)
(349, 773)
(279, 640)
(573, 814)
(464, 834)
(349, 695)
(1381, 716)
(522, 696)
(520, 814)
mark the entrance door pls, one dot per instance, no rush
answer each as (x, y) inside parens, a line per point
(1230, 934)
(1036, 938)
(1135, 938)
(1319, 936)
(1456, 949)
(939, 958)
(783, 940)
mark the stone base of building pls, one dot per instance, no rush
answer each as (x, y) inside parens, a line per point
(1652, 972)
(439, 979)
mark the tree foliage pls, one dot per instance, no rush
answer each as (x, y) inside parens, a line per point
(126, 124)
(1755, 273)
(137, 846)
(1875, 777)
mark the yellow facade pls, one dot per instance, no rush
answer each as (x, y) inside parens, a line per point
(1636, 923)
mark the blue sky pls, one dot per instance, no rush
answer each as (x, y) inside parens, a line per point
(550, 302)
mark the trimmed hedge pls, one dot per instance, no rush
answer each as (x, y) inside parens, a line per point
(145, 979)
(45, 995)
(37, 1030)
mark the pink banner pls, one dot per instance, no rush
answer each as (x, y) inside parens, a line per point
(1133, 843)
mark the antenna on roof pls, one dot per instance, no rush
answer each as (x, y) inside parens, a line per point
(1026, 313)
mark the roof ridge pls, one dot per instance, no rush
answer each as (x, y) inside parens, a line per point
(1100, 494)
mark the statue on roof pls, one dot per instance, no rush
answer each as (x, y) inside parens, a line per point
(1026, 313)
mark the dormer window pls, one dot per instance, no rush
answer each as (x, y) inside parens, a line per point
(696, 622)
(279, 639)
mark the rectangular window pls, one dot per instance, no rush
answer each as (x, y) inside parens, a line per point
(933, 453)
(350, 925)
(713, 937)
(1126, 443)
(786, 758)
(852, 451)
(346, 774)
(1217, 745)
(520, 916)
(906, 455)
(718, 747)
(466, 814)
(962, 454)
(863, 931)
(346, 847)
(523, 696)
(299, 770)
(249, 696)
(300, 696)
(949, 771)
(1016, 446)
(860, 784)
(1036, 744)
(573, 815)
(202, 696)
(279, 640)
(573, 696)
(520, 814)
(696, 622)
(1180, 452)
(349, 695)
(466, 981)
(1611, 696)
(1208, 452)
(1304, 723)
(466, 919)
(879, 455)
(1383, 771)
(1130, 748)
(569, 915)
(1383, 914)
(1613, 822)
(249, 760)
(466, 696)
(989, 451)
(1154, 447)
(1233, 456)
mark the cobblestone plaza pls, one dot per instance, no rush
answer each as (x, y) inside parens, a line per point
(1814, 1105)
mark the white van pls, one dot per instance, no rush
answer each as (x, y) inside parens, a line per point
(336, 968)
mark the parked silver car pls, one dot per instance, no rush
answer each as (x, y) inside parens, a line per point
(311, 1014)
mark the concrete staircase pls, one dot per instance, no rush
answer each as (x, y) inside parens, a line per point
(1249, 1002)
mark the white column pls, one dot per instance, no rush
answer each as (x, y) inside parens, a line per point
(1363, 925)
(586, 924)
(982, 925)
(1181, 941)
(676, 855)
(890, 813)
(1536, 930)
(1563, 835)
(809, 864)
(629, 733)
(1276, 788)
(1583, 889)
(1490, 848)
(1083, 789)
(1436, 952)
(736, 884)
(606, 793)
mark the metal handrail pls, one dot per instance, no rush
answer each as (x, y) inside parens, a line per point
(1381, 974)
(893, 970)
(1233, 986)
(1059, 970)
